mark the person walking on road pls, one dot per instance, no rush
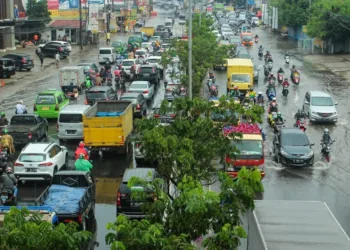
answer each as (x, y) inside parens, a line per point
(58, 58)
(41, 57)
(108, 37)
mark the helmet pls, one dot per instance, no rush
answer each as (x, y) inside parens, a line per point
(9, 170)
(235, 87)
(1, 171)
(260, 93)
(293, 66)
(287, 53)
(2, 114)
(267, 52)
(274, 99)
(5, 131)
(81, 156)
(88, 78)
(326, 130)
(279, 114)
(81, 144)
(286, 79)
(251, 89)
(122, 69)
(281, 68)
(260, 46)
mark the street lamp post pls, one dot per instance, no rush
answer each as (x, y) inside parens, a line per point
(80, 27)
(190, 88)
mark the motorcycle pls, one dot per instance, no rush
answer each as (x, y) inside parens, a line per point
(271, 95)
(300, 123)
(287, 59)
(266, 71)
(117, 82)
(278, 126)
(326, 150)
(296, 79)
(213, 90)
(256, 40)
(8, 197)
(270, 66)
(109, 82)
(285, 92)
(260, 55)
(280, 77)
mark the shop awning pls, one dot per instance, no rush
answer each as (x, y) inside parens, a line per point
(67, 24)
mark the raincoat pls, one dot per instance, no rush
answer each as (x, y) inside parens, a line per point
(83, 165)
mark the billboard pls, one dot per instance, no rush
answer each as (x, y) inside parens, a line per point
(96, 1)
(93, 15)
(65, 9)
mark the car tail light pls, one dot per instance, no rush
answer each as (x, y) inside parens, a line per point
(56, 107)
(23, 60)
(46, 164)
(119, 203)
(146, 92)
(60, 49)
(156, 116)
(18, 164)
(34, 107)
(138, 107)
(30, 135)
(86, 102)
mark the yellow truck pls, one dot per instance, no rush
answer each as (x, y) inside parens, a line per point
(240, 72)
(108, 125)
(149, 31)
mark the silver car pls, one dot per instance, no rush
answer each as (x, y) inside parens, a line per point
(144, 87)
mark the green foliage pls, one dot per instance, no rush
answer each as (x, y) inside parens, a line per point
(38, 10)
(292, 13)
(330, 19)
(194, 213)
(205, 53)
(21, 231)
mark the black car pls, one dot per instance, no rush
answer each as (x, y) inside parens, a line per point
(160, 28)
(100, 93)
(182, 16)
(52, 49)
(149, 73)
(7, 68)
(243, 54)
(132, 205)
(165, 116)
(22, 61)
(138, 102)
(89, 67)
(291, 147)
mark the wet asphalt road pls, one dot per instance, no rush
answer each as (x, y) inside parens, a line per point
(324, 181)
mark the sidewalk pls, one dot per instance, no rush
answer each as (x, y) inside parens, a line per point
(337, 64)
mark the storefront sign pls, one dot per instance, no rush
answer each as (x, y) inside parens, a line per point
(93, 18)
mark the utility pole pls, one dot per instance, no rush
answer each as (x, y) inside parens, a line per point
(200, 14)
(80, 27)
(190, 87)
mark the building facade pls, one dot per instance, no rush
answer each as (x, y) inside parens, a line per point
(7, 23)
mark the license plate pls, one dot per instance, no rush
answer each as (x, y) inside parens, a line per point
(136, 204)
(146, 75)
(45, 108)
(31, 170)
(71, 131)
(298, 161)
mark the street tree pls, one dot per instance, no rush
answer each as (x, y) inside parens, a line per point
(330, 19)
(38, 10)
(205, 53)
(188, 146)
(196, 215)
(292, 13)
(24, 231)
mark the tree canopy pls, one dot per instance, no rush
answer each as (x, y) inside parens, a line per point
(22, 231)
(330, 19)
(205, 53)
(38, 10)
(292, 13)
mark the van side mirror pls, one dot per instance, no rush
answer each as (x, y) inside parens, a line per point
(336, 103)
(306, 103)
(312, 144)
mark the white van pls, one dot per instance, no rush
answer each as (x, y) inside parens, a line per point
(107, 53)
(168, 22)
(70, 122)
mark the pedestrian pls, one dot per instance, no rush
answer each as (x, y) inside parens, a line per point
(38, 51)
(41, 57)
(126, 28)
(108, 37)
(144, 22)
(58, 58)
(21, 108)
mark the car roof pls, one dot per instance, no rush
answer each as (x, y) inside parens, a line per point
(74, 108)
(6, 59)
(292, 131)
(57, 42)
(126, 60)
(17, 54)
(110, 48)
(144, 173)
(141, 50)
(99, 88)
(130, 94)
(37, 147)
(139, 82)
(147, 66)
(50, 91)
(70, 172)
(155, 57)
(317, 93)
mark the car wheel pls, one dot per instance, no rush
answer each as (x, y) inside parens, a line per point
(28, 70)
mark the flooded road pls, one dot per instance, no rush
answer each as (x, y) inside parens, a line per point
(325, 181)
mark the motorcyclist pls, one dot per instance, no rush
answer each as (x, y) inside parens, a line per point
(211, 76)
(267, 54)
(88, 83)
(280, 71)
(260, 98)
(326, 138)
(7, 182)
(108, 65)
(279, 119)
(3, 119)
(292, 70)
(7, 142)
(10, 174)
(98, 80)
(287, 55)
(272, 77)
(261, 48)
(274, 101)
(157, 44)
(256, 37)
(273, 107)
(81, 149)
(235, 92)
(123, 73)
(102, 73)
(3, 162)
(285, 83)
(299, 115)
(82, 164)
(109, 74)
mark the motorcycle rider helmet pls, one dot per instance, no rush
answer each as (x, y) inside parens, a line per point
(260, 47)
(286, 79)
(281, 69)
(293, 67)
(5, 131)
(97, 74)
(251, 89)
(279, 114)
(2, 114)
(235, 87)
(81, 144)
(260, 93)
(81, 156)
(274, 99)
(326, 131)
(287, 54)
(9, 170)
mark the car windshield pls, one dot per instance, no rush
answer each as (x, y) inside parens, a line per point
(153, 60)
(248, 148)
(129, 98)
(127, 63)
(96, 95)
(116, 44)
(247, 38)
(240, 78)
(226, 30)
(146, 70)
(105, 51)
(146, 45)
(322, 101)
(139, 86)
(32, 157)
(140, 52)
(71, 118)
(243, 55)
(154, 38)
(46, 99)
(18, 120)
(292, 139)
(234, 39)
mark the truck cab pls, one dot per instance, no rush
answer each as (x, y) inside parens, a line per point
(250, 146)
(240, 72)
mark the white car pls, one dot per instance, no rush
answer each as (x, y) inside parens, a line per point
(58, 42)
(127, 64)
(226, 33)
(156, 61)
(144, 87)
(142, 55)
(40, 161)
(147, 45)
(320, 107)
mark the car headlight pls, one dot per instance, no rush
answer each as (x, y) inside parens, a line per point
(284, 153)
(310, 154)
